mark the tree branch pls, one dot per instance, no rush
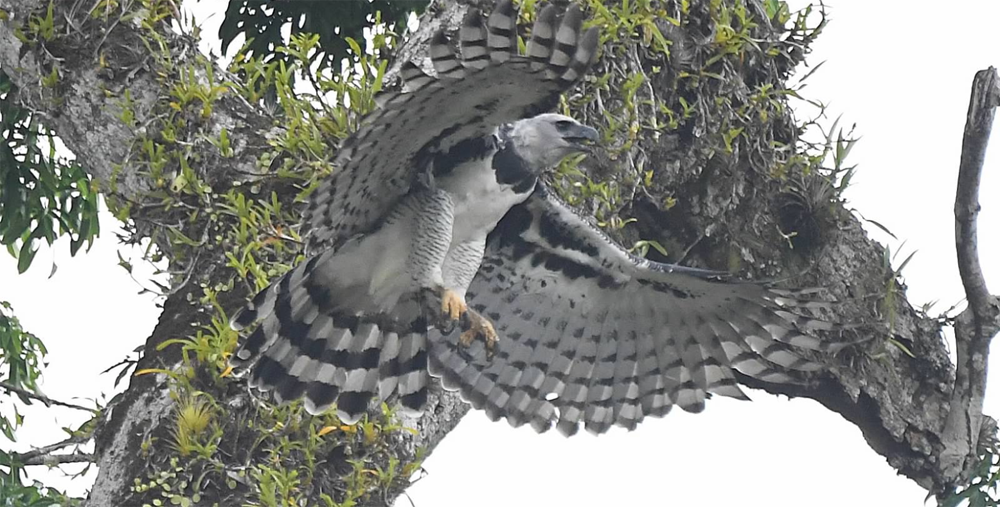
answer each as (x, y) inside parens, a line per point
(51, 460)
(980, 321)
(979, 123)
(45, 399)
(39, 455)
(901, 403)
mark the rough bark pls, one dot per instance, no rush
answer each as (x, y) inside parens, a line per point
(980, 321)
(909, 409)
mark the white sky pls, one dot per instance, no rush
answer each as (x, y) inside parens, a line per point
(901, 70)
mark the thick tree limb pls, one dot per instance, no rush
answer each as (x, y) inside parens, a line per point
(86, 106)
(910, 410)
(980, 321)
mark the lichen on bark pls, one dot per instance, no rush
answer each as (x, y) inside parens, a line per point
(704, 159)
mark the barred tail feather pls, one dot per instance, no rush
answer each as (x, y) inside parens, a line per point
(308, 345)
(346, 366)
(292, 296)
(410, 369)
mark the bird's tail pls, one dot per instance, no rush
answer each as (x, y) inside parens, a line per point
(308, 344)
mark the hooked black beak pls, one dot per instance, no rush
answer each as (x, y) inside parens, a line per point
(582, 137)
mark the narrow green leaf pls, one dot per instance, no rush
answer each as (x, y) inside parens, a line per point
(25, 256)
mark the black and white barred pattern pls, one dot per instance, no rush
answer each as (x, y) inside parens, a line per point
(347, 325)
(488, 86)
(588, 334)
(592, 335)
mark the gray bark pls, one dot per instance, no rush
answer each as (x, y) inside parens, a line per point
(910, 410)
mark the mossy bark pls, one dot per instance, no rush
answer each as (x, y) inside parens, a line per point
(731, 212)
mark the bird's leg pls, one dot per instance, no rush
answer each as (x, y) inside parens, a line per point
(452, 304)
(433, 210)
(459, 268)
(443, 308)
(475, 326)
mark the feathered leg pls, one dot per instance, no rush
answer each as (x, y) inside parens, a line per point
(460, 267)
(341, 327)
(433, 231)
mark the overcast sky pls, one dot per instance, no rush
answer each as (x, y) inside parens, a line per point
(901, 70)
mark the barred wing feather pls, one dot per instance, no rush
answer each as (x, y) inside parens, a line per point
(321, 336)
(591, 334)
(489, 85)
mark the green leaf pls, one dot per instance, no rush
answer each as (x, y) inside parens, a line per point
(41, 195)
(25, 256)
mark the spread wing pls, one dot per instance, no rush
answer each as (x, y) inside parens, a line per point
(489, 85)
(591, 333)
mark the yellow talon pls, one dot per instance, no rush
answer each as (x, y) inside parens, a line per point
(452, 305)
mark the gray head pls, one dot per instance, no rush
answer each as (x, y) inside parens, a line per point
(542, 141)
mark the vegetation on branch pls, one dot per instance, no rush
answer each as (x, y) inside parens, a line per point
(707, 76)
(262, 25)
(702, 97)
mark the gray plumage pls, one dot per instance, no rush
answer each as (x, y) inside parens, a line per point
(437, 203)
(404, 220)
(594, 335)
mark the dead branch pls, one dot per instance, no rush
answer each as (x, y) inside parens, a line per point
(980, 321)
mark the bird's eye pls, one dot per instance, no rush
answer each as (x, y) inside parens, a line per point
(563, 124)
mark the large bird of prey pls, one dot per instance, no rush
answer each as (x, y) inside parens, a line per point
(436, 215)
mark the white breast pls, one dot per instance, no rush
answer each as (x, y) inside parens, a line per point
(480, 202)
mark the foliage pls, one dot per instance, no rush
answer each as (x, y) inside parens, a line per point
(704, 90)
(42, 196)
(21, 355)
(262, 25)
(815, 178)
(684, 89)
(716, 107)
(194, 415)
(893, 291)
(15, 494)
(273, 455)
(983, 487)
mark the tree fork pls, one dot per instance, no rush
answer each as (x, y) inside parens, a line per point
(976, 326)
(911, 410)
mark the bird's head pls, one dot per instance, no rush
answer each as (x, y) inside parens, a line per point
(543, 141)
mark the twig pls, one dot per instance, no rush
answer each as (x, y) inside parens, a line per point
(59, 459)
(194, 264)
(44, 399)
(687, 250)
(980, 321)
(42, 452)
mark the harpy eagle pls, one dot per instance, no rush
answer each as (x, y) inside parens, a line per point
(436, 215)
